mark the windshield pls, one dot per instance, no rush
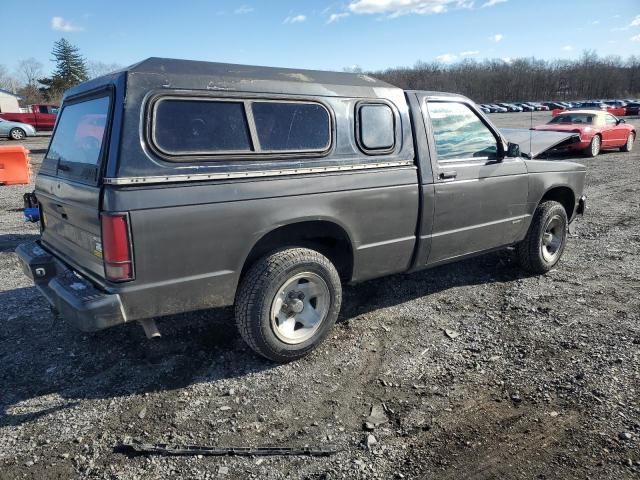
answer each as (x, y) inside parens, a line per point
(574, 118)
(80, 131)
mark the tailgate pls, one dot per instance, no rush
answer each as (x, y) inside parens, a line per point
(69, 184)
(71, 214)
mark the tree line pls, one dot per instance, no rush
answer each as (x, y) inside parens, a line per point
(28, 81)
(524, 79)
(495, 80)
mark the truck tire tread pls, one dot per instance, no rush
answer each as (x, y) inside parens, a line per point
(528, 250)
(251, 298)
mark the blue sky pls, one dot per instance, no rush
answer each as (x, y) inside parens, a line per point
(373, 34)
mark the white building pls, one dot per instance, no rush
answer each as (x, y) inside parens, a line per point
(8, 102)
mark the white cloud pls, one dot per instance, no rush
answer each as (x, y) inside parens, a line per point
(243, 9)
(334, 17)
(395, 8)
(567, 48)
(635, 22)
(469, 53)
(497, 37)
(446, 57)
(491, 3)
(507, 60)
(62, 25)
(295, 19)
(635, 38)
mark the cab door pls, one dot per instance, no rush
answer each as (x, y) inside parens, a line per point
(614, 134)
(480, 195)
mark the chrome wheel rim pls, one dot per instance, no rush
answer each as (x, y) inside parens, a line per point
(17, 134)
(630, 142)
(595, 145)
(299, 307)
(552, 239)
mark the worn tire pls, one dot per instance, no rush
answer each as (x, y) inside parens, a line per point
(594, 147)
(530, 251)
(628, 146)
(258, 290)
(17, 134)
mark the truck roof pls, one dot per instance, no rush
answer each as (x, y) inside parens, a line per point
(170, 73)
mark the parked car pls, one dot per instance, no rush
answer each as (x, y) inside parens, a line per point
(269, 190)
(40, 116)
(539, 106)
(525, 107)
(484, 109)
(554, 105)
(599, 130)
(498, 109)
(511, 107)
(15, 130)
(632, 108)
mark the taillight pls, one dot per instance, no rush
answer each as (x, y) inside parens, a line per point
(116, 247)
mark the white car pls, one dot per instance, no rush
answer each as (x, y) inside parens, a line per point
(16, 130)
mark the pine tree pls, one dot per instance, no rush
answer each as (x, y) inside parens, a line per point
(71, 69)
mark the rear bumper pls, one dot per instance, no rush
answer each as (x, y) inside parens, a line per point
(75, 297)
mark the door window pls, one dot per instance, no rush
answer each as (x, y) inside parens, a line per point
(459, 134)
(610, 120)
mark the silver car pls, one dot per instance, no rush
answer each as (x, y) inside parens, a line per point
(16, 130)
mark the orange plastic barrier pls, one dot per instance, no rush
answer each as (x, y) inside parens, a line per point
(14, 165)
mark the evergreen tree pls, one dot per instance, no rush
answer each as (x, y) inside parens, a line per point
(71, 69)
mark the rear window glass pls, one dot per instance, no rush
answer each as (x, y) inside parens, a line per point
(80, 132)
(292, 126)
(198, 126)
(573, 118)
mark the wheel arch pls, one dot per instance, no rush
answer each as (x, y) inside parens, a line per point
(562, 194)
(325, 236)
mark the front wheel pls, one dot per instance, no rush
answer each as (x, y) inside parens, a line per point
(629, 145)
(544, 244)
(287, 303)
(594, 147)
(17, 134)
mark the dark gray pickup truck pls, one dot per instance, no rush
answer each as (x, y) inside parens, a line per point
(174, 186)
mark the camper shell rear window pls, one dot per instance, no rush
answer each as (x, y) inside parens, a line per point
(78, 142)
(184, 127)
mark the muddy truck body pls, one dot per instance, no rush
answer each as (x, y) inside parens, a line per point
(173, 186)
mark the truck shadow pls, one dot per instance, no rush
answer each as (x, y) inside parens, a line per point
(48, 366)
(9, 242)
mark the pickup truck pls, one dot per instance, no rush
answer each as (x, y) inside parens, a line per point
(175, 186)
(40, 116)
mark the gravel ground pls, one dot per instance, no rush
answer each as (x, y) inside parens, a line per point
(476, 370)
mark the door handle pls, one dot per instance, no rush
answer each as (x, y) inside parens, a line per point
(448, 175)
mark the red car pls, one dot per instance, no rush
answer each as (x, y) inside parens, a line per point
(598, 129)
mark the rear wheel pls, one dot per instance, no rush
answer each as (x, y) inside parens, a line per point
(544, 244)
(629, 145)
(17, 134)
(594, 147)
(287, 303)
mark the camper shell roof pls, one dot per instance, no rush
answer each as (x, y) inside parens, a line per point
(190, 74)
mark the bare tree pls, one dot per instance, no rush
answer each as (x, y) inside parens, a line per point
(29, 71)
(8, 81)
(97, 69)
(525, 79)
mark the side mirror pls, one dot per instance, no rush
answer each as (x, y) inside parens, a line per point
(513, 150)
(621, 120)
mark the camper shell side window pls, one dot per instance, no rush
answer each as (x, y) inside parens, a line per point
(210, 128)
